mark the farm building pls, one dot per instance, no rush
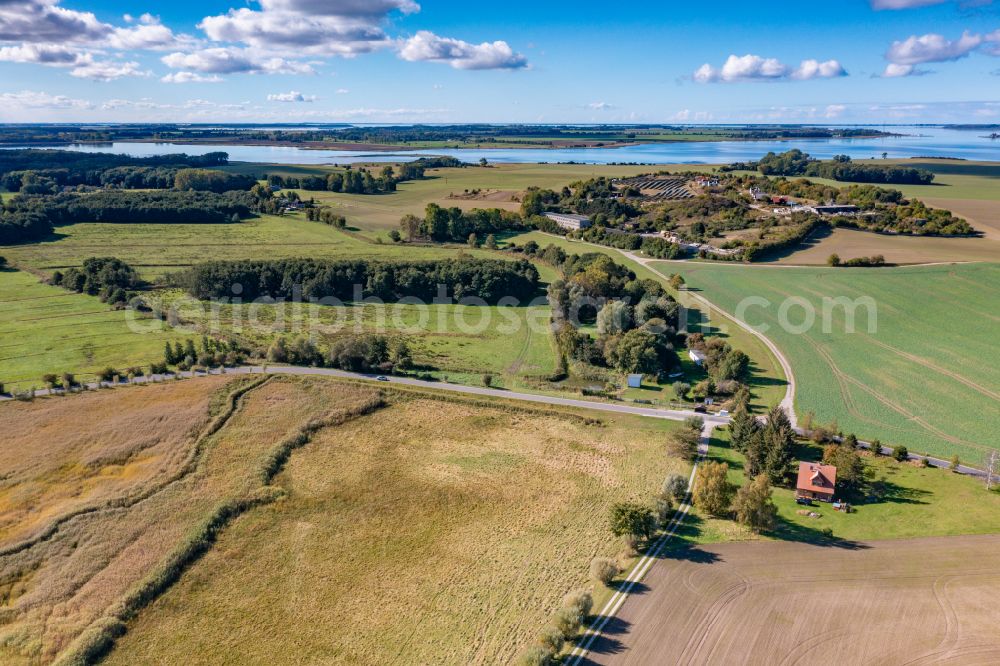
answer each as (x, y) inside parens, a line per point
(697, 357)
(635, 381)
(569, 221)
(816, 482)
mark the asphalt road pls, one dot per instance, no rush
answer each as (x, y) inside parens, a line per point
(669, 414)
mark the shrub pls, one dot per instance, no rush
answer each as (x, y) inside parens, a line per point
(108, 374)
(956, 462)
(581, 601)
(568, 622)
(603, 570)
(675, 486)
(537, 655)
(487, 380)
(900, 453)
(552, 639)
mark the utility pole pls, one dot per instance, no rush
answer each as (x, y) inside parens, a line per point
(992, 468)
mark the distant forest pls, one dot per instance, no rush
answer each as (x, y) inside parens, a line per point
(402, 134)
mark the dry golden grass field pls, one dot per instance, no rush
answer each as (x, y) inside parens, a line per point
(305, 520)
(919, 601)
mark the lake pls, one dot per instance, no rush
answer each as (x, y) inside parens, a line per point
(916, 142)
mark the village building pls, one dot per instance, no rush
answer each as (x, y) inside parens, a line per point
(569, 221)
(697, 357)
(816, 482)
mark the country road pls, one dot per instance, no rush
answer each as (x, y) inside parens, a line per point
(669, 414)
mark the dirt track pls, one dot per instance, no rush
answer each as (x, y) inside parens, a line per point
(922, 601)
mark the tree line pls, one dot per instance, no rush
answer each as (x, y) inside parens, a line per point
(488, 279)
(455, 225)
(841, 168)
(70, 168)
(29, 218)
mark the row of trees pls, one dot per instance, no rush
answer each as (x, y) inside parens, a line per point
(488, 279)
(28, 218)
(69, 168)
(455, 225)
(841, 168)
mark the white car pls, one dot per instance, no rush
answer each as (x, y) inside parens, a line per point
(381, 378)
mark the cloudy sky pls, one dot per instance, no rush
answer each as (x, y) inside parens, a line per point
(892, 61)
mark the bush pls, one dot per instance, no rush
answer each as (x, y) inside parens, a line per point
(581, 601)
(108, 374)
(900, 453)
(568, 622)
(537, 655)
(603, 570)
(675, 486)
(487, 380)
(552, 639)
(956, 462)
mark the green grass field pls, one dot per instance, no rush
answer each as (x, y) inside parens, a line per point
(45, 329)
(924, 379)
(156, 249)
(920, 501)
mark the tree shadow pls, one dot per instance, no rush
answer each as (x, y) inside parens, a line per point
(786, 531)
(607, 642)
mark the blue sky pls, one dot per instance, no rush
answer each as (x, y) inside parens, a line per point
(892, 61)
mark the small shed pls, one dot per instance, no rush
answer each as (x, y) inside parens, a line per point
(635, 381)
(816, 482)
(696, 356)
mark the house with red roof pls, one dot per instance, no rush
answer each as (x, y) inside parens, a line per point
(816, 482)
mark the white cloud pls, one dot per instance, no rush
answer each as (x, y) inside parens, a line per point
(150, 34)
(932, 47)
(600, 106)
(834, 111)
(55, 55)
(814, 69)
(343, 91)
(755, 68)
(190, 77)
(292, 96)
(45, 21)
(106, 70)
(426, 46)
(318, 27)
(232, 60)
(30, 99)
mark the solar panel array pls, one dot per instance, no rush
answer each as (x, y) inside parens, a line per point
(660, 189)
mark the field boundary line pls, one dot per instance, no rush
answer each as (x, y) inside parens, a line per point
(641, 567)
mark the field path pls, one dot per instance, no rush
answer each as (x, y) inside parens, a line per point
(641, 568)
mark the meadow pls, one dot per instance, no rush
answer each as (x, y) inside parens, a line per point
(451, 342)
(46, 329)
(922, 379)
(157, 249)
(920, 501)
(257, 513)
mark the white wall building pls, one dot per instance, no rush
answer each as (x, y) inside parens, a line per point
(569, 221)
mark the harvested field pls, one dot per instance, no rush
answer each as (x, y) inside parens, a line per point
(65, 591)
(922, 601)
(851, 243)
(431, 531)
